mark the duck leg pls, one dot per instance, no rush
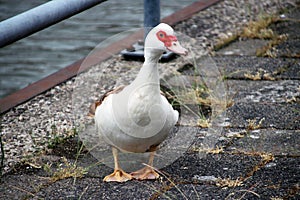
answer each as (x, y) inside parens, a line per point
(147, 172)
(118, 175)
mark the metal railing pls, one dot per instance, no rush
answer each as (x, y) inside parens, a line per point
(41, 17)
(45, 15)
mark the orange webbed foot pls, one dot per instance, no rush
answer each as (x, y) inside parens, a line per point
(146, 173)
(118, 176)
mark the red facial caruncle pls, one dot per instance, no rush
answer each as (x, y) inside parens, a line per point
(166, 39)
(171, 43)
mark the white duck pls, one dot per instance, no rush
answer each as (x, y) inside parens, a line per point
(137, 118)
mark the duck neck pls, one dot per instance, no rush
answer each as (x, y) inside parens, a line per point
(149, 71)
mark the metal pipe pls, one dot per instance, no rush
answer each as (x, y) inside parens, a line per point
(151, 15)
(38, 18)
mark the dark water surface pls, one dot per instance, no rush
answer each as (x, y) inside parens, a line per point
(45, 52)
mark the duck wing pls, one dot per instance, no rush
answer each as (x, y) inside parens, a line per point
(97, 103)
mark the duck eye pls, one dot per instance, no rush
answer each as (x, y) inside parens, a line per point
(161, 35)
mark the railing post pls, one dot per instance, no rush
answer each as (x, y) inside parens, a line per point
(151, 15)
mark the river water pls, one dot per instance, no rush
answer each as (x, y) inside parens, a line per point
(47, 51)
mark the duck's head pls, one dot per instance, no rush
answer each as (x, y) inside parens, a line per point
(162, 38)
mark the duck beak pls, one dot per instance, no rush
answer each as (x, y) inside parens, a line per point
(177, 48)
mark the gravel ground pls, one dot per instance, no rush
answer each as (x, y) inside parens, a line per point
(30, 128)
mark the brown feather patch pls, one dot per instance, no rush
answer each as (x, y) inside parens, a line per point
(97, 103)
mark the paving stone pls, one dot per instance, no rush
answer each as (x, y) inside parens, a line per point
(289, 48)
(36, 184)
(279, 116)
(95, 188)
(276, 142)
(289, 24)
(281, 91)
(242, 47)
(267, 68)
(191, 166)
(240, 67)
(264, 91)
(278, 179)
(195, 191)
(21, 185)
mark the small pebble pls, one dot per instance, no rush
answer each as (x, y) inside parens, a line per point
(254, 136)
(204, 178)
